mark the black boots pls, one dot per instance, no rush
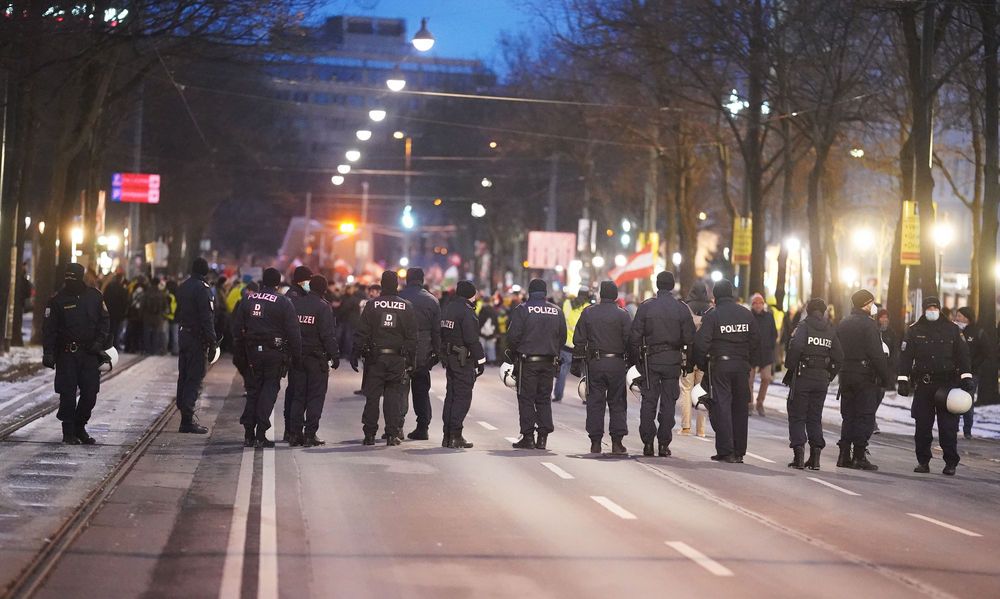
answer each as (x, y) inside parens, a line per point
(647, 449)
(540, 442)
(190, 425)
(861, 462)
(311, 440)
(446, 438)
(295, 439)
(81, 434)
(459, 442)
(393, 440)
(69, 434)
(797, 458)
(595, 446)
(617, 447)
(249, 439)
(418, 434)
(949, 470)
(844, 459)
(813, 462)
(664, 451)
(262, 441)
(922, 468)
(369, 439)
(525, 442)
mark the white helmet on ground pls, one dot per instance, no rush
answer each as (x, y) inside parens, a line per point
(959, 401)
(507, 375)
(582, 389)
(109, 359)
(633, 381)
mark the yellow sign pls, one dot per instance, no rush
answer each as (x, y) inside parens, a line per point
(742, 240)
(909, 247)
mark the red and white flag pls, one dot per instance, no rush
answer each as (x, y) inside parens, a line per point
(639, 265)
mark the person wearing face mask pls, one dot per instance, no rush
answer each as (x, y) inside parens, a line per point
(298, 289)
(866, 369)
(965, 319)
(891, 343)
(935, 357)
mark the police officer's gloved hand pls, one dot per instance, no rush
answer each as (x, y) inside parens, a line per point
(576, 367)
(787, 379)
(968, 385)
(335, 362)
(97, 348)
(687, 369)
(480, 369)
(354, 362)
(49, 361)
(432, 360)
(903, 387)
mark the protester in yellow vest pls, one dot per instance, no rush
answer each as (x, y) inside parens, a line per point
(572, 309)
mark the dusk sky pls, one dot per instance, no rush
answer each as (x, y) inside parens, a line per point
(463, 28)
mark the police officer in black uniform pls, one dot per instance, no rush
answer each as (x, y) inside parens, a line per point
(387, 338)
(866, 369)
(266, 331)
(76, 333)
(464, 358)
(428, 313)
(724, 347)
(936, 359)
(196, 319)
(536, 332)
(299, 288)
(600, 342)
(813, 358)
(662, 332)
(311, 376)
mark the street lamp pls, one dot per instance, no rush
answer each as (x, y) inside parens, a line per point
(352, 155)
(363, 134)
(620, 260)
(343, 169)
(943, 234)
(597, 261)
(423, 40)
(377, 114)
(848, 276)
(486, 182)
(404, 261)
(396, 82)
(407, 220)
(398, 135)
(477, 210)
(337, 179)
(676, 258)
(864, 239)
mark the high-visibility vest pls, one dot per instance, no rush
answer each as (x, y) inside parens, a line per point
(572, 316)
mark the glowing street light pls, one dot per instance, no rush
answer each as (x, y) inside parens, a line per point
(857, 153)
(423, 40)
(363, 134)
(621, 260)
(352, 155)
(404, 261)
(113, 242)
(477, 210)
(716, 276)
(407, 220)
(486, 182)
(864, 239)
(848, 276)
(343, 169)
(347, 227)
(76, 235)
(337, 179)
(398, 135)
(625, 239)
(943, 235)
(792, 244)
(377, 115)
(597, 261)
(396, 82)
(676, 258)
(702, 216)
(626, 225)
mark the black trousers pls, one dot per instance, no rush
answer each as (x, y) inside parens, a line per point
(384, 378)
(858, 403)
(291, 392)
(805, 412)
(659, 400)
(606, 386)
(75, 371)
(924, 410)
(266, 369)
(534, 396)
(191, 366)
(310, 382)
(458, 396)
(420, 389)
(729, 408)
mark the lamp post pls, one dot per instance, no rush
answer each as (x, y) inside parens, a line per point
(942, 237)
(423, 40)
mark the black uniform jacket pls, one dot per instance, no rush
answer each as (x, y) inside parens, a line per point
(537, 327)
(729, 330)
(388, 322)
(315, 325)
(862, 343)
(666, 326)
(268, 318)
(459, 327)
(76, 315)
(816, 345)
(196, 309)
(602, 329)
(428, 313)
(934, 348)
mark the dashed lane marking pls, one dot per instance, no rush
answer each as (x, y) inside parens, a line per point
(267, 578)
(699, 558)
(957, 529)
(834, 487)
(558, 471)
(613, 507)
(232, 569)
(487, 426)
(705, 439)
(760, 457)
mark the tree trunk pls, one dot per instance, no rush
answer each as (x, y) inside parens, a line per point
(991, 200)
(817, 255)
(788, 169)
(977, 202)
(923, 123)
(896, 291)
(757, 75)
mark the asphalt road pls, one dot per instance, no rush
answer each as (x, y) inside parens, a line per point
(202, 517)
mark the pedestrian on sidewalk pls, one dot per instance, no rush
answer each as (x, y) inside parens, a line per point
(979, 350)
(311, 376)
(697, 301)
(725, 346)
(934, 360)
(464, 359)
(196, 334)
(814, 357)
(866, 369)
(764, 365)
(76, 333)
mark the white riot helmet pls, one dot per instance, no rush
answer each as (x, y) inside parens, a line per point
(582, 389)
(632, 381)
(507, 375)
(214, 356)
(959, 401)
(109, 359)
(698, 397)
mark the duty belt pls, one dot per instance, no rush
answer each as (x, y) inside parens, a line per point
(460, 350)
(71, 347)
(660, 347)
(388, 351)
(528, 358)
(598, 355)
(934, 377)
